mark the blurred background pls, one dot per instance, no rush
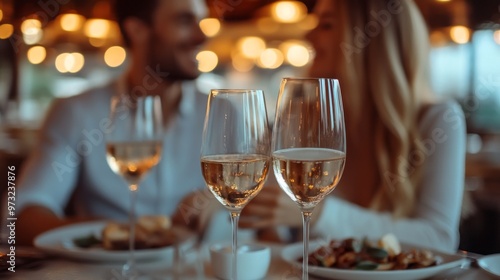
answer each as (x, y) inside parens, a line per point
(58, 48)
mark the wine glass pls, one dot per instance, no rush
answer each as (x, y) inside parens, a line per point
(308, 144)
(133, 147)
(235, 154)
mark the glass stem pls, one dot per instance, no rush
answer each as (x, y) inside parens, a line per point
(306, 218)
(129, 267)
(235, 217)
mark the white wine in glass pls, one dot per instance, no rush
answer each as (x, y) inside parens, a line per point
(308, 144)
(133, 147)
(235, 154)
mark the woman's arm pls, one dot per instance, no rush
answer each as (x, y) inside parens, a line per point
(437, 215)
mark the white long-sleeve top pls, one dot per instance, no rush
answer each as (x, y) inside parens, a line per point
(435, 222)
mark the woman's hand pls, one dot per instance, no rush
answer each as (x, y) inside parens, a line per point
(271, 208)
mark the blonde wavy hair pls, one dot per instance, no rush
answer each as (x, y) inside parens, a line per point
(391, 71)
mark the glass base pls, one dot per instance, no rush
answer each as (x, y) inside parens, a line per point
(126, 273)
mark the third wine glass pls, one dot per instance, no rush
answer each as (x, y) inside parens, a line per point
(133, 147)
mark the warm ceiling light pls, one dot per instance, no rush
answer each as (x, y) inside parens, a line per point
(288, 11)
(115, 56)
(37, 54)
(271, 58)
(6, 30)
(496, 36)
(207, 61)
(443, 0)
(69, 62)
(210, 26)
(32, 36)
(297, 55)
(71, 22)
(460, 34)
(78, 62)
(60, 62)
(97, 28)
(29, 25)
(251, 47)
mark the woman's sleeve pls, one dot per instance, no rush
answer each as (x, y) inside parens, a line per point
(436, 220)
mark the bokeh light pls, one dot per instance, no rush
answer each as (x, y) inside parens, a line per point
(69, 62)
(460, 34)
(72, 22)
(29, 24)
(6, 30)
(115, 56)
(251, 47)
(288, 11)
(97, 28)
(496, 36)
(207, 61)
(210, 26)
(36, 55)
(271, 58)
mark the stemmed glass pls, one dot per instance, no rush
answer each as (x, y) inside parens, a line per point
(133, 147)
(235, 154)
(308, 144)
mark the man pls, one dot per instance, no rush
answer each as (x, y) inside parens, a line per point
(68, 169)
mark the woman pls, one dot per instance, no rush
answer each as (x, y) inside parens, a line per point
(405, 150)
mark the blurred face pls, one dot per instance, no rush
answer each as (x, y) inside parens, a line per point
(176, 37)
(326, 39)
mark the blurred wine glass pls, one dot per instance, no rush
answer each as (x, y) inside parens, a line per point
(235, 154)
(133, 147)
(308, 144)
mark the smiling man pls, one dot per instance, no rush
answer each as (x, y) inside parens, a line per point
(67, 179)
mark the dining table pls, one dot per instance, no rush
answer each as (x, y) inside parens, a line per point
(194, 264)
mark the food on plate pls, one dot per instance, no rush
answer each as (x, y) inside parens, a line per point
(385, 254)
(150, 232)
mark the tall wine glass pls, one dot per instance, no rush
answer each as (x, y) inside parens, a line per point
(133, 147)
(308, 144)
(235, 154)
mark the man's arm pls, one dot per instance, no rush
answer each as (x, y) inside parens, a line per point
(34, 220)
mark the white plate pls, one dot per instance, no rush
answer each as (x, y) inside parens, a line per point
(59, 242)
(293, 252)
(491, 264)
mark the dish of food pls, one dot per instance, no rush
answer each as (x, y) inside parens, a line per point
(372, 260)
(107, 241)
(491, 264)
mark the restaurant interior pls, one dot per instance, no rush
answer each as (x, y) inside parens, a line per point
(58, 48)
